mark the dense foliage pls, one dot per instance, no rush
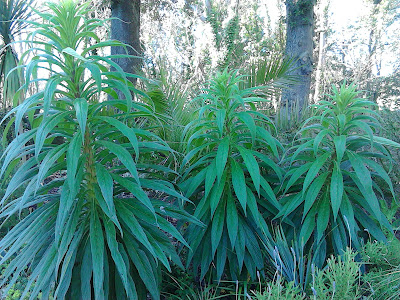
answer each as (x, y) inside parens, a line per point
(229, 177)
(331, 190)
(95, 232)
(112, 187)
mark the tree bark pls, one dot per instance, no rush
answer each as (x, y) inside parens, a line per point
(125, 27)
(323, 24)
(299, 46)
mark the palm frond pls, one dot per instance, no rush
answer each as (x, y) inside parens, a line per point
(13, 16)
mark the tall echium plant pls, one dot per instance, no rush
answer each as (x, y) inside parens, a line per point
(228, 173)
(95, 233)
(331, 191)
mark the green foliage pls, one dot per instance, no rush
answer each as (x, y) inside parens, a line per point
(169, 100)
(391, 130)
(179, 285)
(229, 173)
(13, 13)
(278, 290)
(331, 190)
(339, 280)
(381, 256)
(99, 236)
(275, 69)
(15, 292)
(382, 281)
(290, 259)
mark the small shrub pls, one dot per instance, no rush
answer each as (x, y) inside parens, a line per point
(382, 281)
(289, 259)
(278, 290)
(381, 256)
(339, 280)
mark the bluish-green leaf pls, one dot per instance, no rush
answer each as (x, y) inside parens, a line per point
(124, 156)
(336, 190)
(231, 219)
(220, 118)
(324, 211)
(314, 170)
(116, 255)
(217, 226)
(73, 155)
(313, 192)
(340, 146)
(81, 110)
(222, 157)
(126, 131)
(247, 119)
(106, 184)
(97, 247)
(252, 166)
(364, 177)
(317, 140)
(239, 184)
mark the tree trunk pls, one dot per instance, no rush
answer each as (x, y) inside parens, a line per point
(374, 40)
(323, 24)
(299, 46)
(126, 28)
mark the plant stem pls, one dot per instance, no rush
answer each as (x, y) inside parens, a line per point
(89, 166)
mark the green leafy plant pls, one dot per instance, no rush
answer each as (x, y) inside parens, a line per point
(98, 235)
(380, 255)
(182, 286)
(391, 130)
(229, 173)
(339, 280)
(169, 99)
(382, 284)
(279, 290)
(16, 290)
(330, 188)
(13, 13)
(290, 259)
(382, 260)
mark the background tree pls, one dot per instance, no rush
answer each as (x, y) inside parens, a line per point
(299, 45)
(125, 27)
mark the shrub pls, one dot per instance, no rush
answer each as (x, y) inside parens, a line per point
(382, 256)
(382, 281)
(98, 234)
(230, 148)
(278, 290)
(331, 193)
(289, 258)
(339, 280)
(391, 130)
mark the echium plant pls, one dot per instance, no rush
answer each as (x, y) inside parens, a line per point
(228, 172)
(95, 233)
(331, 191)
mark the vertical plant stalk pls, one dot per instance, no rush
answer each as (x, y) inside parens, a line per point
(89, 166)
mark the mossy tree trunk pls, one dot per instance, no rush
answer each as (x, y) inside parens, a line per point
(299, 45)
(126, 28)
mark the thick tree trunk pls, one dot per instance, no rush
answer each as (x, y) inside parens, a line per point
(126, 28)
(299, 46)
